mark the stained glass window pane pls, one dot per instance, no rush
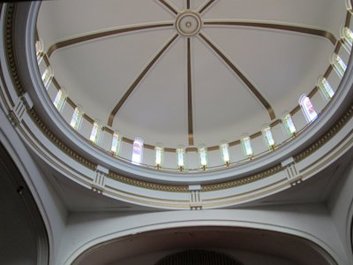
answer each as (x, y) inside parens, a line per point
(137, 151)
(307, 108)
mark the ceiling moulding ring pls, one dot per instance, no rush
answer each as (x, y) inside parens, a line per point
(84, 149)
(212, 187)
(188, 23)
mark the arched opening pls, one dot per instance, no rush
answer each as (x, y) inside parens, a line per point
(242, 245)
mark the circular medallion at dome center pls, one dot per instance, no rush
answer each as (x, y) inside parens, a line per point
(188, 23)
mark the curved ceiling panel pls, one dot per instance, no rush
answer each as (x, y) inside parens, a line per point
(158, 106)
(221, 99)
(104, 69)
(281, 64)
(323, 14)
(58, 20)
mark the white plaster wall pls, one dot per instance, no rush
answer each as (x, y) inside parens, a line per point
(341, 210)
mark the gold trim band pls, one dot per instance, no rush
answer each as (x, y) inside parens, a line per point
(206, 6)
(168, 6)
(317, 32)
(190, 105)
(102, 34)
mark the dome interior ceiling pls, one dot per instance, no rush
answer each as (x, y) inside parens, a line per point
(280, 64)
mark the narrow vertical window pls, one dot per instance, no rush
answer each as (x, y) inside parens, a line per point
(95, 133)
(159, 155)
(76, 118)
(47, 77)
(339, 65)
(246, 144)
(59, 100)
(268, 137)
(180, 158)
(224, 148)
(116, 142)
(203, 156)
(348, 38)
(349, 6)
(307, 108)
(289, 125)
(39, 50)
(137, 151)
(326, 89)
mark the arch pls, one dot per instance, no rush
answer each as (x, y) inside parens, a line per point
(257, 242)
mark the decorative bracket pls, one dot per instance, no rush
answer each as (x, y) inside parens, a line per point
(99, 181)
(292, 173)
(23, 104)
(195, 197)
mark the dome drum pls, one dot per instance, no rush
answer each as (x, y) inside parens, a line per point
(229, 172)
